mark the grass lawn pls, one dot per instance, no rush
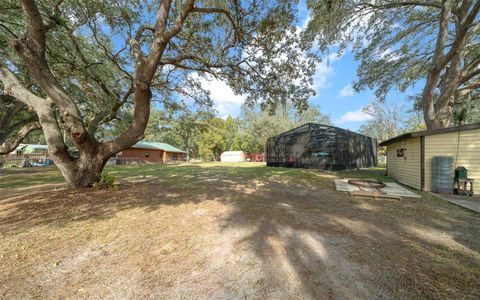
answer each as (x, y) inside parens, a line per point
(229, 231)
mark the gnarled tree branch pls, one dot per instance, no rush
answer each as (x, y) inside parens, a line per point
(11, 144)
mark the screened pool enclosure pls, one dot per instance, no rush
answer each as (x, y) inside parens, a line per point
(318, 146)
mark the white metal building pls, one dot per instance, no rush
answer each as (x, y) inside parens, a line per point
(232, 156)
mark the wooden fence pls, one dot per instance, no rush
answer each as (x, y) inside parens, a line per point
(125, 161)
(28, 160)
(255, 157)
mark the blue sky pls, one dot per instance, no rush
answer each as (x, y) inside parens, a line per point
(336, 97)
(334, 93)
(333, 84)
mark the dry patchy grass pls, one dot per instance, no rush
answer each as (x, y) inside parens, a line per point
(214, 231)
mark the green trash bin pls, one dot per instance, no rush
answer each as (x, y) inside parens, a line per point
(461, 173)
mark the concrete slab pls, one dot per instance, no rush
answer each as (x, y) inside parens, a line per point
(342, 185)
(392, 189)
(468, 202)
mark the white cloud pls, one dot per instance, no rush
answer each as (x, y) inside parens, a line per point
(304, 24)
(227, 103)
(304, 13)
(223, 97)
(354, 116)
(346, 91)
(323, 71)
(389, 55)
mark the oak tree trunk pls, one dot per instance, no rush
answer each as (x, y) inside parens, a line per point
(446, 70)
(83, 171)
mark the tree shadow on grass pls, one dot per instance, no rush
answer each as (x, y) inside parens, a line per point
(322, 244)
(312, 242)
(79, 205)
(157, 185)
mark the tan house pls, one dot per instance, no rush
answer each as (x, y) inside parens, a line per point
(152, 152)
(409, 156)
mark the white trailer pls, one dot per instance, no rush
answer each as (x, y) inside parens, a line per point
(232, 156)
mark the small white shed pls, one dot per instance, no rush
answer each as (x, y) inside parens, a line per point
(232, 156)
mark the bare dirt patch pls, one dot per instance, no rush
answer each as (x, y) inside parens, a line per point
(225, 232)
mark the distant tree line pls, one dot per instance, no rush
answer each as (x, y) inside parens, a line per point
(203, 135)
(389, 119)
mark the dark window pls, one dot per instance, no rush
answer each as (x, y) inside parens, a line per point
(147, 154)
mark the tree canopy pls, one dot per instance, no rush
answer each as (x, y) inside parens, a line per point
(255, 126)
(181, 128)
(389, 120)
(202, 135)
(402, 44)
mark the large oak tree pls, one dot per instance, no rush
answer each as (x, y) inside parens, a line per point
(92, 61)
(400, 43)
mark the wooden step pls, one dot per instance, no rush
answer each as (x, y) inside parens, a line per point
(375, 195)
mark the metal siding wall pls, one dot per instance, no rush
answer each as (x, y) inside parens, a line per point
(463, 146)
(405, 170)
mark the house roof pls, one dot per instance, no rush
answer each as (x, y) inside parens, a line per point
(37, 146)
(315, 124)
(233, 153)
(20, 147)
(430, 132)
(157, 146)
